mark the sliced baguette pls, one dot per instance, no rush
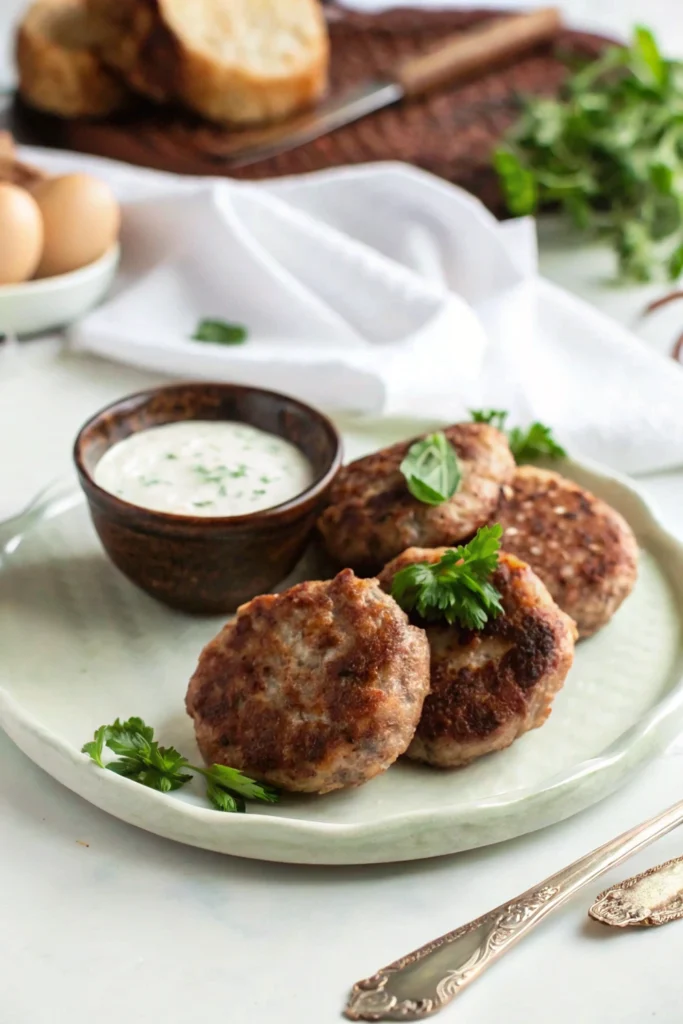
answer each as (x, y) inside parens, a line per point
(235, 61)
(59, 69)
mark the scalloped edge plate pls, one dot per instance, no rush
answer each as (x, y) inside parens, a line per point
(397, 836)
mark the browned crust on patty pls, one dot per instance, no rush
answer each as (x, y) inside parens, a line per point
(583, 550)
(318, 688)
(488, 687)
(372, 516)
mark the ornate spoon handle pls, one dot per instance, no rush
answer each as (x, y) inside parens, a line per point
(423, 982)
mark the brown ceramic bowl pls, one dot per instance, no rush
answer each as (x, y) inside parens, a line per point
(203, 564)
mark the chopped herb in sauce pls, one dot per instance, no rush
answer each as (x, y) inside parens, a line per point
(151, 481)
(203, 468)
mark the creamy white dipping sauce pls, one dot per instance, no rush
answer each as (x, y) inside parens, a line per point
(204, 468)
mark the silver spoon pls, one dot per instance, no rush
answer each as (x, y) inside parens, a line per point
(423, 982)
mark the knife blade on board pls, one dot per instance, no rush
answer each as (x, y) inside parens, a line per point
(461, 57)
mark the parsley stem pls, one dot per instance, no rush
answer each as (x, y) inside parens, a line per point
(206, 772)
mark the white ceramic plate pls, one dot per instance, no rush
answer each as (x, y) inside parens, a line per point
(53, 302)
(80, 646)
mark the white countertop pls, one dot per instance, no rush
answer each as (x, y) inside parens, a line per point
(101, 921)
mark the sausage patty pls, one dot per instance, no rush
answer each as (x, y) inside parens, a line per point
(372, 516)
(488, 687)
(583, 550)
(318, 688)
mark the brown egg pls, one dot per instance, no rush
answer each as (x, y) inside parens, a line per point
(81, 218)
(21, 234)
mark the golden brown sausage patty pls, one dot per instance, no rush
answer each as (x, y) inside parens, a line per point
(488, 687)
(583, 550)
(318, 688)
(372, 516)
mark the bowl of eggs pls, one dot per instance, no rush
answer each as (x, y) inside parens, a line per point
(59, 250)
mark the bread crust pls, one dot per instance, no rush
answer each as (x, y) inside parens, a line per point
(58, 71)
(234, 95)
(142, 42)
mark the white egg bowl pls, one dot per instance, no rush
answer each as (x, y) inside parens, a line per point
(52, 302)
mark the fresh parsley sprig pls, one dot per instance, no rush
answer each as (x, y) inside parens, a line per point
(457, 587)
(431, 469)
(141, 759)
(220, 332)
(609, 153)
(534, 442)
(494, 417)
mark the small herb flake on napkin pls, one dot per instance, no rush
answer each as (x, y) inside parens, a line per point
(219, 332)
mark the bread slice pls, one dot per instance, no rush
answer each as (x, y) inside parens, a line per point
(59, 70)
(235, 61)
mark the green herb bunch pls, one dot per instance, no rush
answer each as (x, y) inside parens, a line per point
(609, 152)
(142, 760)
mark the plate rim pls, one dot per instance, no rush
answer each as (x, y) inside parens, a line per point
(638, 744)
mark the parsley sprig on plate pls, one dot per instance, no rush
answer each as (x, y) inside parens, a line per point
(532, 443)
(143, 760)
(609, 152)
(457, 587)
(431, 469)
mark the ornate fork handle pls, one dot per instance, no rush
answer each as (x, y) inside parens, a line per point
(423, 982)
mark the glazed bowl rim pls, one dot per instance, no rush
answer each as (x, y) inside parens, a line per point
(42, 286)
(317, 487)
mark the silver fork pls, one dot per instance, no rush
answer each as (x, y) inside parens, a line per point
(50, 500)
(423, 982)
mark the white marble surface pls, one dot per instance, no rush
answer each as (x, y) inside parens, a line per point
(103, 921)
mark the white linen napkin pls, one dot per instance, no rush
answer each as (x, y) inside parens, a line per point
(345, 297)
(372, 289)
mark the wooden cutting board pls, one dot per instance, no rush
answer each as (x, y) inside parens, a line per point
(450, 133)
